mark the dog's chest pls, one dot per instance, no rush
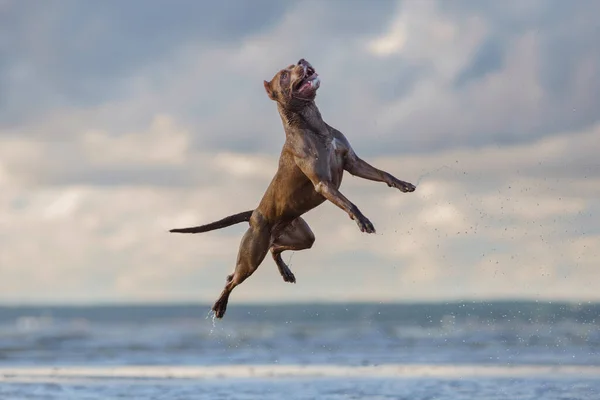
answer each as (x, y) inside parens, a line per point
(334, 144)
(336, 158)
(335, 150)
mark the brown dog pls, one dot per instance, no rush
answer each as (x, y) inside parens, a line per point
(311, 166)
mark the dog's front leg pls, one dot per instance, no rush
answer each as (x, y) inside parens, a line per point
(358, 167)
(317, 171)
(327, 190)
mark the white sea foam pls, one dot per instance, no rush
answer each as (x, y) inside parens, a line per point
(54, 374)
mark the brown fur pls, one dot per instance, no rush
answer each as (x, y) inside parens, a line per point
(312, 163)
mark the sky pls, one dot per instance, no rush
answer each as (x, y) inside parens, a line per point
(121, 120)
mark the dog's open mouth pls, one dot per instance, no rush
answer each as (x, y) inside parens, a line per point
(310, 81)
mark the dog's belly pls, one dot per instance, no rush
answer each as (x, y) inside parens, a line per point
(291, 193)
(290, 196)
(301, 199)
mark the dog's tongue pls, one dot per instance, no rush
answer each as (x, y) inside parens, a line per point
(311, 82)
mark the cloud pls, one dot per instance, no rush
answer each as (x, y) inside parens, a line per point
(467, 232)
(119, 123)
(162, 144)
(71, 53)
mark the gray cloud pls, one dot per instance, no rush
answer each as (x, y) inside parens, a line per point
(489, 58)
(81, 53)
(209, 66)
(120, 120)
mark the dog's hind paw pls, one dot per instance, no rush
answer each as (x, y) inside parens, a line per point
(289, 277)
(219, 308)
(286, 272)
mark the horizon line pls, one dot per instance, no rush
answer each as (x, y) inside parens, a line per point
(167, 303)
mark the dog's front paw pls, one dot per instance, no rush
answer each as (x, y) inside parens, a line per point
(364, 224)
(405, 187)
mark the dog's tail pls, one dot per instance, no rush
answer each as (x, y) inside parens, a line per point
(222, 223)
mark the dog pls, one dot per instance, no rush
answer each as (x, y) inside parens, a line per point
(311, 165)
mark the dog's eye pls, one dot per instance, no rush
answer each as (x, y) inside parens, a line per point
(284, 75)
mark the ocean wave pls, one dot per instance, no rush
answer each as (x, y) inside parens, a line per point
(364, 335)
(8, 374)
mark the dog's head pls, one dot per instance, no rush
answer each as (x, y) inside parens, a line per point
(295, 85)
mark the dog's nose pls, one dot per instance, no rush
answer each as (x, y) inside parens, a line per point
(302, 62)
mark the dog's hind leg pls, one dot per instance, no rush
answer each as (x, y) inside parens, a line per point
(296, 236)
(253, 249)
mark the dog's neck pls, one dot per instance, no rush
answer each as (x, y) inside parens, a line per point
(306, 118)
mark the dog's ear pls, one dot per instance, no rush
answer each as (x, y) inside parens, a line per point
(269, 90)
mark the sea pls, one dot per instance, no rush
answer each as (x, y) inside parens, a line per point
(422, 351)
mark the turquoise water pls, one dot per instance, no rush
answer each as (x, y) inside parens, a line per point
(309, 389)
(502, 350)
